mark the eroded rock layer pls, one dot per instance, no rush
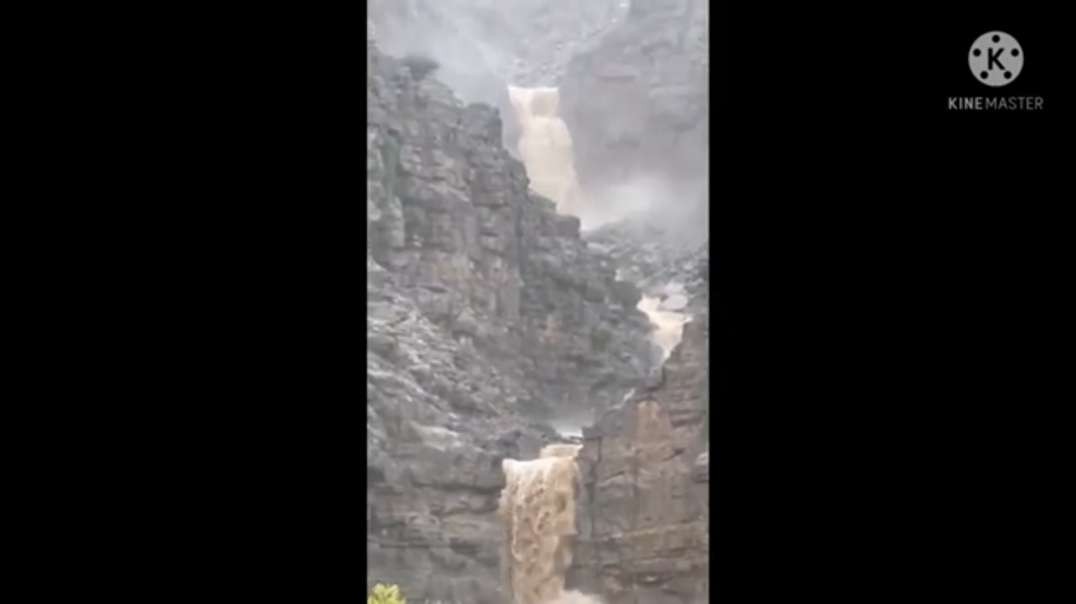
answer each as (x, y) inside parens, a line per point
(490, 317)
(483, 45)
(487, 316)
(644, 511)
(637, 104)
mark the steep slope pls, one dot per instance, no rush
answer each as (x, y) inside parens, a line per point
(485, 45)
(488, 318)
(637, 105)
(438, 424)
(644, 517)
(492, 319)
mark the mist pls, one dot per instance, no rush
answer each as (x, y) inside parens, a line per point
(483, 47)
(676, 208)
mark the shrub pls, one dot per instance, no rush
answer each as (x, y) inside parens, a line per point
(420, 65)
(386, 594)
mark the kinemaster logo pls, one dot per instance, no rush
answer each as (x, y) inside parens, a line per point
(995, 60)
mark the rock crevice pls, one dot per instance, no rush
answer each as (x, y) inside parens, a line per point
(487, 318)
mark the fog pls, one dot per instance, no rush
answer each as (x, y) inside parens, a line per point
(677, 208)
(467, 65)
(485, 46)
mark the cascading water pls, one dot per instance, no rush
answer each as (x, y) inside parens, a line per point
(538, 503)
(545, 146)
(538, 510)
(664, 313)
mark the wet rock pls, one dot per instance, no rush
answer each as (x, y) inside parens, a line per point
(481, 304)
(382, 344)
(627, 294)
(702, 468)
(645, 466)
(486, 308)
(636, 103)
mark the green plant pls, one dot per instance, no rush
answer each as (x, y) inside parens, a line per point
(386, 594)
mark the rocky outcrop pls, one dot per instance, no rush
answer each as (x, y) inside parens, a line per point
(644, 515)
(637, 105)
(439, 423)
(659, 261)
(644, 512)
(485, 45)
(448, 212)
(487, 313)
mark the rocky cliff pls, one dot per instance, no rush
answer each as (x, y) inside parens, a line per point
(438, 424)
(449, 213)
(637, 104)
(488, 317)
(485, 45)
(653, 258)
(644, 511)
(644, 517)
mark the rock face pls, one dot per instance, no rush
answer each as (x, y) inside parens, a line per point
(449, 214)
(439, 422)
(485, 45)
(487, 313)
(637, 105)
(644, 517)
(490, 316)
(644, 513)
(661, 262)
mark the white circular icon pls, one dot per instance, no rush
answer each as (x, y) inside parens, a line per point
(996, 58)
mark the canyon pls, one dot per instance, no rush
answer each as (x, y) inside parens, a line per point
(529, 309)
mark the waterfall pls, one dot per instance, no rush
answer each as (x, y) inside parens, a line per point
(538, 510)
(545, 146)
